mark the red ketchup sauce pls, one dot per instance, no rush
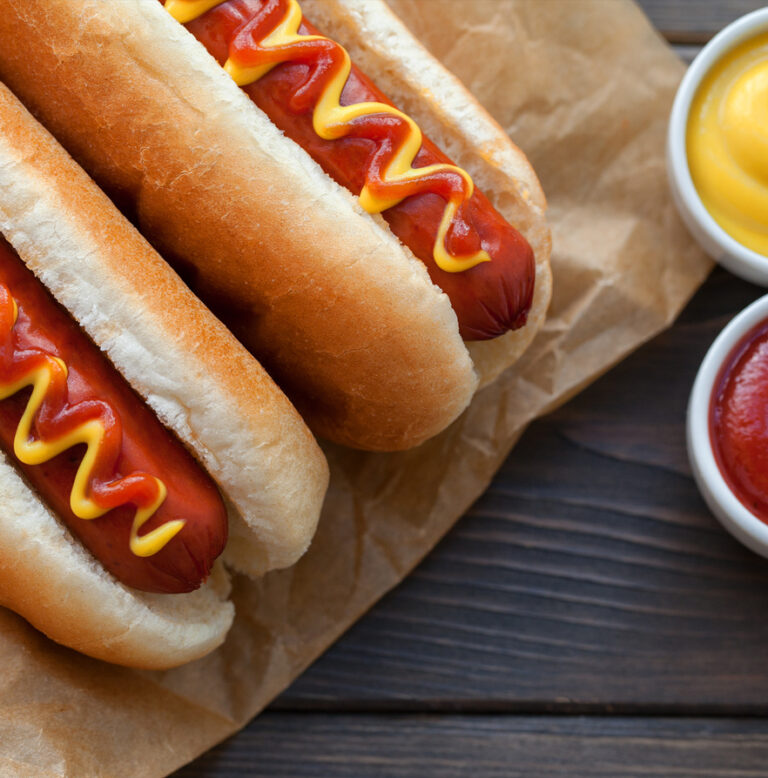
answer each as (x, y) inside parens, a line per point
(738, 421)
(136, 445)
(490, 298)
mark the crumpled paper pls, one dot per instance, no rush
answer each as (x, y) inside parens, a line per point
(584, 87)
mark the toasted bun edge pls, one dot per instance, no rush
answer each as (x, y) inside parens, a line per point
(379, 43)
(190, 370)
(369, 350)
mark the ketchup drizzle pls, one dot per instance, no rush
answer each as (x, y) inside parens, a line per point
(491, 297)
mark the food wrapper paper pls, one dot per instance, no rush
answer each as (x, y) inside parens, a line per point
(584, 88)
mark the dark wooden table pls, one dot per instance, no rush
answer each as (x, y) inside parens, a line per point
(587, 617)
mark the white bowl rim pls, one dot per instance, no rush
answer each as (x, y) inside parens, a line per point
(741, 521)
(738, 31)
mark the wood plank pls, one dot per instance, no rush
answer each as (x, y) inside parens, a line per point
(547, 600)
(590, 574)
(687, 53)
(694, 21)
(394, 746)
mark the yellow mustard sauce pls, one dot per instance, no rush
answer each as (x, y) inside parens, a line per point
(727, 143)
(35, 451)
(331, 120)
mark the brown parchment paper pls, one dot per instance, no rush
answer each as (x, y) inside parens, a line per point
(584, 87)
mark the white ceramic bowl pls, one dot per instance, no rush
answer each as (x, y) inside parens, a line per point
(731, 254)
(735, 517)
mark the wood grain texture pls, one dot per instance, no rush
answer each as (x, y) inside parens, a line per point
(589, 578)
(590, 573)
(401, 746)
(686, 52)
(694, 21)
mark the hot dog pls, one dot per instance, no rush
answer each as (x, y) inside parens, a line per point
(135, 431)
(487, 268)
(41, 346)
(314, 282)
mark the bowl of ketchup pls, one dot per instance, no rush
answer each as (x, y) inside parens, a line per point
(727, 427)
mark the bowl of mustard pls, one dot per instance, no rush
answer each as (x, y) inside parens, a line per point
(717, 147)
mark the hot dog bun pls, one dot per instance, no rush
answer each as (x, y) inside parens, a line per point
(343, 316)
(380, 43)
(190, 370)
